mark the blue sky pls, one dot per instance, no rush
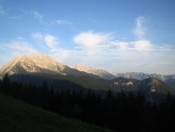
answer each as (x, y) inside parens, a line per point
(116, 35)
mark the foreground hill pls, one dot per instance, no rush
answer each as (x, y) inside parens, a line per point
(20, 117)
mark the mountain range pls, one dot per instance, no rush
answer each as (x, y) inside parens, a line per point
(37, 68)
(167, 79)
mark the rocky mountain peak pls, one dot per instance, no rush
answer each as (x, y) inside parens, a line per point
(31, 63)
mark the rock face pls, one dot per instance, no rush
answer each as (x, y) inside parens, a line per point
(99, 72)
(154, 85)
(32, 63)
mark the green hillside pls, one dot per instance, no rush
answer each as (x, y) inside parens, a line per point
(16, 116)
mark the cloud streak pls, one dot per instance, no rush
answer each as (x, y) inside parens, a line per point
(139, 29)
(15, 48)
(34, 14)
(62, 22)
(37, 36)
(48, 40)
(51, 41)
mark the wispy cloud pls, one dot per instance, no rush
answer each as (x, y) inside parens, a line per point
(34, 14)
(13, 48)
(37, 35)
(51, 41)
(139, 29)
(143, 45)
(18, 17)
(62, 22)
(20, 47)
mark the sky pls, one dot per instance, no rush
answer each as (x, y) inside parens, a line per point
(115, 35)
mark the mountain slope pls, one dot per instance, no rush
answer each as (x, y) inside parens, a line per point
(99, 72)
(171, 83)
(20, 117)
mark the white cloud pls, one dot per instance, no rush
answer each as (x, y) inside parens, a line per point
(91, 39)
(20, 47)
(120, 45)
(37, 35)
(51, 41)
(48, 40)
(139, 29)
(62, 22)
(143, 45)
(139, 45)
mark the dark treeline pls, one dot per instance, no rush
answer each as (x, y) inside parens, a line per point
(121, 112)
